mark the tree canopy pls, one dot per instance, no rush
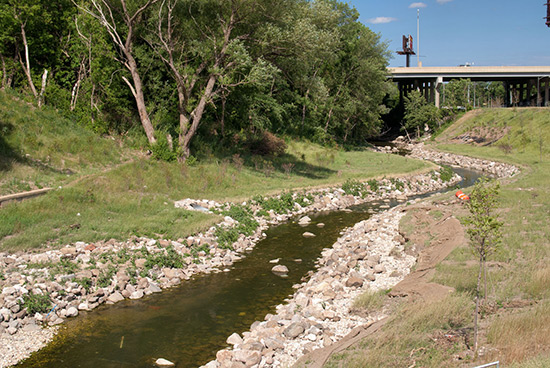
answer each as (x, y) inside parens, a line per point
(223, 71)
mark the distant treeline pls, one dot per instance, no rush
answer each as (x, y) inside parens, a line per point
(196, 72)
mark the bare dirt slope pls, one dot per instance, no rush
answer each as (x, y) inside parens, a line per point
(433, 232)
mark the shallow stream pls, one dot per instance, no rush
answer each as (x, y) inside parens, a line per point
(188, 324)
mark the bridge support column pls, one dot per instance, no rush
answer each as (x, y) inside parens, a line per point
(436, 89)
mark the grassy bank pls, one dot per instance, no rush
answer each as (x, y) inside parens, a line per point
(39, 148)
(117, 200)
(514, 325)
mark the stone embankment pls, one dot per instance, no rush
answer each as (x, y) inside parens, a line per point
(368, 257)
(81, 276)
(496, 169)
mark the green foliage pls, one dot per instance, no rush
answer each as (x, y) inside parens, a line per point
(105, 278)
(166, 258)
(419, 113)
(284, 202)
(373, 185)
(353, 187)
(445, 173)
(36, 303)
(85, 282)
(162, 151)
(397, 184)
(483, 224)
(246, 226)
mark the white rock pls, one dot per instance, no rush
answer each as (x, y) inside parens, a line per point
(280, 269)
(234, 339)
(72, 312)
(161, 362)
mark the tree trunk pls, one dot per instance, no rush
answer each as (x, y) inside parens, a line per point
(476, 312)
(43, 88)
(484, 281)
(196, 117)
(137, 91)
(328, 120)
(4, 72)
(27, 65)
(222, 121)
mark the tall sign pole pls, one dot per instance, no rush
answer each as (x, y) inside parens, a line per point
(418, 37)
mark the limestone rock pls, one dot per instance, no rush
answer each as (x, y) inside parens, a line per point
(293, 330)
(161, 362)
(379, 268)
(234, 339)
(354, 282)
(72, 312)
(280, 270)
(307, 234)
(115, 297)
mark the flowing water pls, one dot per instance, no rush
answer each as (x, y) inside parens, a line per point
(189, 323)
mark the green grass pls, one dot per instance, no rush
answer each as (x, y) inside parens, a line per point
(518, 271)
(370, 300)
(114, 200)
(39, 148)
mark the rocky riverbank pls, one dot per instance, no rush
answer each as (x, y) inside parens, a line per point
(419, 151)
(43, 289)
(369, 256)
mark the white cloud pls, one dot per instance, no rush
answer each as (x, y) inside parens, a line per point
(420, 5)
(443, 1)
(381, 20)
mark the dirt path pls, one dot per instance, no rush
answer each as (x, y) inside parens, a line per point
(435, 233)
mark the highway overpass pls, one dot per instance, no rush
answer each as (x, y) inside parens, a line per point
(525, 85)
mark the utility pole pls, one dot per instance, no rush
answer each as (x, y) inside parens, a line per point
(418, 37)
(548, 13)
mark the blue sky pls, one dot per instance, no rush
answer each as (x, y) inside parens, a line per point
(454, 32)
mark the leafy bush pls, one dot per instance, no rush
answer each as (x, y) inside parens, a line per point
(445, 173)
(247, 225)
(353, 187)
(85, 282)
(105, 278)
(226, 237)
(397, 184)
(161, 150)
(373, 185)
(168, 258)
(36, 303)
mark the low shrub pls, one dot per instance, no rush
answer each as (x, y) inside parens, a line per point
(353, 187)
(445, 173)
(36, 303)
(373, 185)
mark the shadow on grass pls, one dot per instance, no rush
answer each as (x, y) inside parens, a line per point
(8, 154)
(286, 164)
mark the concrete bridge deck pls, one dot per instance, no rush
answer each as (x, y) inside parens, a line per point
(525, 85)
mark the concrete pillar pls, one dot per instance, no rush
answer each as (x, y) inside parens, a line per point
(437, 85)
